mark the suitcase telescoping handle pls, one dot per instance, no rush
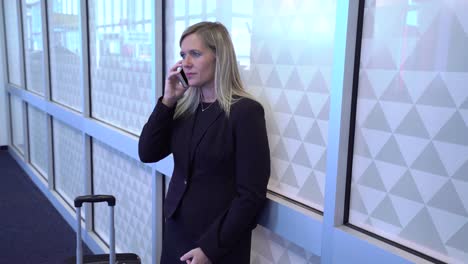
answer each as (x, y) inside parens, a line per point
(95, 199)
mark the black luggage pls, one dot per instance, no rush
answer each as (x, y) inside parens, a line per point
(112, 257)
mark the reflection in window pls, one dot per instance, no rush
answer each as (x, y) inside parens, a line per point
(65, 52)
(32, 27)
(121, 50)
(206, 10)
(184, 15)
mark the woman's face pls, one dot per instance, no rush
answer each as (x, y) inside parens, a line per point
(198, 62)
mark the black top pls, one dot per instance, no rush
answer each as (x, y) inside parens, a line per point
(202, 121)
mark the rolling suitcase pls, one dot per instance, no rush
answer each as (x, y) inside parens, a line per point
(112, 257)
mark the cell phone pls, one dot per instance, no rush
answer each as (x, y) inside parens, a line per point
(183, 78)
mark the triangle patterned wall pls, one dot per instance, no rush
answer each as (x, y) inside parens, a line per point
(410, 168)
(289, 71)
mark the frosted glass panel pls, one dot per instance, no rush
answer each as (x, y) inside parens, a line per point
(284, 49)
(65, 52)
(38, 140)
(270, 248)
(410, 161)
(130, 182)
(33, 47)
(17, 126)
(120, 64)
(68, 161)
(12, 42)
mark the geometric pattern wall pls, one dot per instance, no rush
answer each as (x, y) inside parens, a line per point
(129, 181)
(269, 248)
(284, 50)
(290, 72)
(68, 161)
(12, 42)
(410, 160)
(65, 52)
(120, 63)
(33, 46)
(37, 124)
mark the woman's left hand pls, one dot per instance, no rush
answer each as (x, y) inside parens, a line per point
(195, 256)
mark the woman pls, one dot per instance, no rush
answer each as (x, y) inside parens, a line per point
(218, 139)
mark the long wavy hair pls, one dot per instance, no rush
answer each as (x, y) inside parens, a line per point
(228, 84)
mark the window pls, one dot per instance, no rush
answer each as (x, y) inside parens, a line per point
(130, 182)
(120, 63)
(410, 155)
(68, 161)
(65, 52)
(17, 126)
(12, 43)
(285, 55)
(37, 121)
(33, 48)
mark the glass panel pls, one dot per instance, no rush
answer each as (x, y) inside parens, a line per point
(38, 140)
(65, 52)
(121, 66)
(210, 6)
(68, 161)
(12, 42)
(195, 7)
(243, 7)
(239, 33)
(32, 27)
(130, 182)
(179, 8)
(285, 55)
(17, 123)
(268, 247)
(409, 180)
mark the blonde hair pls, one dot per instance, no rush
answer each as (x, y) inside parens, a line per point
(228, 83)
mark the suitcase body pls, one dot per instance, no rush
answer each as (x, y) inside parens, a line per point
(112, 257)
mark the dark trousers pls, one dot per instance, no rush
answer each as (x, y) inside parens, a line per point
(177, 241)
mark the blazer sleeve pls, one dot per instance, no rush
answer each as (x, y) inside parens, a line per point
(252, 171)
(154, 142)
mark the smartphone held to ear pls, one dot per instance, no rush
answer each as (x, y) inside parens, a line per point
(183, 78)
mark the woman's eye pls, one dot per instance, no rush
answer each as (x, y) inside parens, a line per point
(182, 55)
(196, 54)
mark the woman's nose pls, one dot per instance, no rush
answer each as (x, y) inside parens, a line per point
(187, 62)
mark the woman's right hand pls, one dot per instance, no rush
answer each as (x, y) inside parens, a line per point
(173, 89)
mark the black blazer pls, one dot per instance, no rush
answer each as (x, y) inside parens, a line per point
(220, 182)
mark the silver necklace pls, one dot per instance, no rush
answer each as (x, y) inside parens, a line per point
(203, 109)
